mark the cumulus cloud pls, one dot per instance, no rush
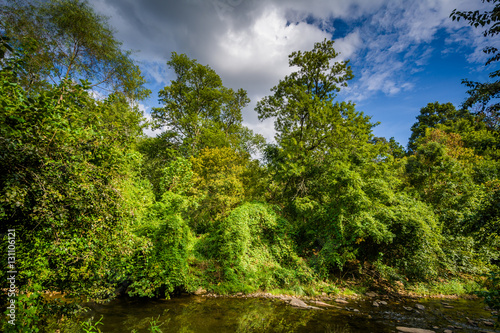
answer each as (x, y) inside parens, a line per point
(247, 42)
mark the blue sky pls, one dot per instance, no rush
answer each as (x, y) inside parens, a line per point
(404, 54)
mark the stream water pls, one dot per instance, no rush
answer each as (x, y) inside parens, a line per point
(202, 314)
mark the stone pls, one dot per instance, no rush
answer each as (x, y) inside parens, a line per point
(471, 322)
(300, 304)
(413, 330)
(419, 306)
(448, 307)
(375, 304)
(382, 302)
(200, 291)
(407, 308)
(342, 301)
(323, 304)
(448, 331)
(371, 294)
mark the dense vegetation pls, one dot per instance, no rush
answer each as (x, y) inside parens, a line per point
(99, 208)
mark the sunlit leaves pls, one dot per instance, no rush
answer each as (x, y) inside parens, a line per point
(197, 106)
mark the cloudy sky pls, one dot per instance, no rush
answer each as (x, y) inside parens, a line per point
(404, 53)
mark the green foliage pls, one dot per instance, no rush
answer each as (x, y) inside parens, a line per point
(308, 122)
(492, 295)
(58, 188)
(157, 152)
(252, 247)
(66, 40)
(34, 311)
(199, 111)
(97, 206)
(160, 266)
(177, 177)
(441, 173)
(430, 116)
(155, 325)
(337, 182)
(219, 176)
(367, 220)
(90, 327)
(69, 189)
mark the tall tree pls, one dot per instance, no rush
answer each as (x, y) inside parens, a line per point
(68, 40)
(309, 121)
(197, 107)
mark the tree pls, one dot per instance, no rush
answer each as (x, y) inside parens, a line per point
(302, 102)
(308, 121)
(66, 164)
(62, 40)
(332, 177)
(219, 174)
(430, 116)
(198, 109)
(396, 150)
(483, 95)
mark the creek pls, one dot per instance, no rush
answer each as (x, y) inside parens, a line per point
(221, 314)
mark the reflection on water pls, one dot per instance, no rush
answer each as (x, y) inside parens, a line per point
(200, 314)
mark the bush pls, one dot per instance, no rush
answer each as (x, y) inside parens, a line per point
(252, 245)
(160, 265)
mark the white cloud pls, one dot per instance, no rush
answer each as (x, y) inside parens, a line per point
(257, 57)
(247, 42)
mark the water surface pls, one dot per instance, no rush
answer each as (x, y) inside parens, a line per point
(202, 314)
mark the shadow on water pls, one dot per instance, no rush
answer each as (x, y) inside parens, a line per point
(201, 314)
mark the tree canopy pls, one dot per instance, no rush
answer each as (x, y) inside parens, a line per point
(66, 40)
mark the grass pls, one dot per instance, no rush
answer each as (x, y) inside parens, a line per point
(452, 287)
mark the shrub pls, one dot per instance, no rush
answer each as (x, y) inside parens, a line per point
(253, 246)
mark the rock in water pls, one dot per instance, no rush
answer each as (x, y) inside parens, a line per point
(300, 304)
(413, 330)
(323, 304)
